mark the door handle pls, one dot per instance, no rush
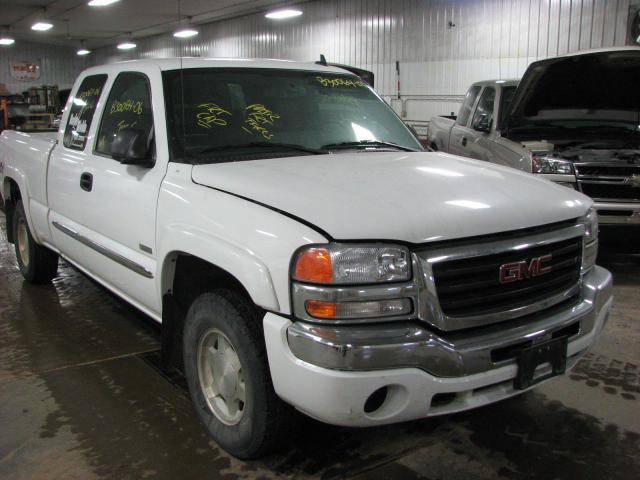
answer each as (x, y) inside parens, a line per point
(464, 141)
(86, 181)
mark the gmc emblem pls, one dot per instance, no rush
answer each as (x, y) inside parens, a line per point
(516, 271)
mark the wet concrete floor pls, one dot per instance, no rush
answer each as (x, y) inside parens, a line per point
(80, 398)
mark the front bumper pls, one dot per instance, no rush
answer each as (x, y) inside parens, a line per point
(329, 373)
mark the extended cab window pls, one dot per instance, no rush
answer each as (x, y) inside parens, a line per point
(485, 107)
(128, 106)
(82, 109)
(469, 100)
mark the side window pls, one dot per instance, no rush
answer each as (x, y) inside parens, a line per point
(485, 107)
(469, 100)
(128, 106)
(82, 110)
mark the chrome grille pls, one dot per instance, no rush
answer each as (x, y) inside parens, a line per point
(609, 182)
(471, 286)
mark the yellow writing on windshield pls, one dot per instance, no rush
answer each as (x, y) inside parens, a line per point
(90, 92)
(212, 115)
(259, 119)
(334, 82)
(129, 105)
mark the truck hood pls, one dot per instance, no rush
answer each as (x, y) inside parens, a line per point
(411, 197)
(577, 97)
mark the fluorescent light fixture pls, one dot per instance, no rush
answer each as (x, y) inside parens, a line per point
(285, 13)
(42, 26)
(185, 33)
(83, 51)
(126, 46)
(7, 41)
(500, 81)
(101, 3)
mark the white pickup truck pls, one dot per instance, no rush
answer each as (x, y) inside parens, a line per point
(573, 119)
(300, 249)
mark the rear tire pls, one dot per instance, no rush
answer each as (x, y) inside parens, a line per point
(227, 371)
(37, 264)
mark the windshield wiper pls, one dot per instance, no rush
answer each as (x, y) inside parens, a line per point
(368, 143)
(274, 145)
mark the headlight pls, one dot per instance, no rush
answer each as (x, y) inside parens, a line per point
(346, 264)
(590, 244)
(342, 282)
(544, 164)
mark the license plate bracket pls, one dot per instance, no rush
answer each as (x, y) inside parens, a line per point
(553, 352)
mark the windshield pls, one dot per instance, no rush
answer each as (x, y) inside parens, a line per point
(221, 115)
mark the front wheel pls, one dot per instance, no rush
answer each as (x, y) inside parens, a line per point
(37, 264)
(228, 375)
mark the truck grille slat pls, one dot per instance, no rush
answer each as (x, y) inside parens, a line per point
(471, 286)
(609, 182)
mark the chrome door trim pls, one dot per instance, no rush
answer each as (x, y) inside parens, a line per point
(116, 257)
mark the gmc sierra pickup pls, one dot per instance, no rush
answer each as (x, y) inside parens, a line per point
(300, 249)
(573, 119)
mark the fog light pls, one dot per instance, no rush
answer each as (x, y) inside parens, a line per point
(347, 310)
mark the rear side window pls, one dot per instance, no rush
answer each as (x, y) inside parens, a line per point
(467, 106)
(82, 109)
(128, 106)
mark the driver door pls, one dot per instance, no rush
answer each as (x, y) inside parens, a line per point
(120, 206)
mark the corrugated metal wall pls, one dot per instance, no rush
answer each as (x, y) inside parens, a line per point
(442, 45)
(58, 65)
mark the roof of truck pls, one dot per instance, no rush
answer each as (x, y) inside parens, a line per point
(198, 62)
(499, 82)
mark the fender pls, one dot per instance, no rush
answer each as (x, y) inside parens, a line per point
(11, 174)
(242, 263)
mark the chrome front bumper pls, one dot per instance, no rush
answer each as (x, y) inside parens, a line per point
(453, 354)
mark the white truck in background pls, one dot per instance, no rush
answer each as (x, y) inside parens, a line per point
(300, 249)
(574, 120)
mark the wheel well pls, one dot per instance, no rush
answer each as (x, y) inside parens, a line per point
(188, 277)
(11, 196)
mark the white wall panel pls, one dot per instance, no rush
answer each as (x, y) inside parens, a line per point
(58, 65)
(490, 39)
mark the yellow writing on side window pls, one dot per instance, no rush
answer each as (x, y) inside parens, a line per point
(259, 119)
(90, 92)
(123, 124)
(129, 105)
(340, 82)
(212, 115)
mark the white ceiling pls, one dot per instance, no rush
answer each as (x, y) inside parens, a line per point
(74, 20)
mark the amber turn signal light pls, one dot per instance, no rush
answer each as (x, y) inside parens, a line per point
(319, 309)
(314, 265)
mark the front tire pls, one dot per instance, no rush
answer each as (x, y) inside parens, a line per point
(228, 375)
(37, 264)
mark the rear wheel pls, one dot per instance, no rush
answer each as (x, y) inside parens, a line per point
(228, 375)
(38, 264)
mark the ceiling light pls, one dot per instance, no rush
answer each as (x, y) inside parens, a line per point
(41, 26)
(281, 14)
(101, 3)
(83, 51)
(185, 33)
(7, 41)
(126, 46)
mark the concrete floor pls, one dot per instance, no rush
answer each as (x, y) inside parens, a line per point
(80, 397)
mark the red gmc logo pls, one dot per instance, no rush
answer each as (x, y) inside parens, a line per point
(516, 271)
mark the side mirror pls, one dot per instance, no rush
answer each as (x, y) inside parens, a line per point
(483, 124)
(131, 147)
